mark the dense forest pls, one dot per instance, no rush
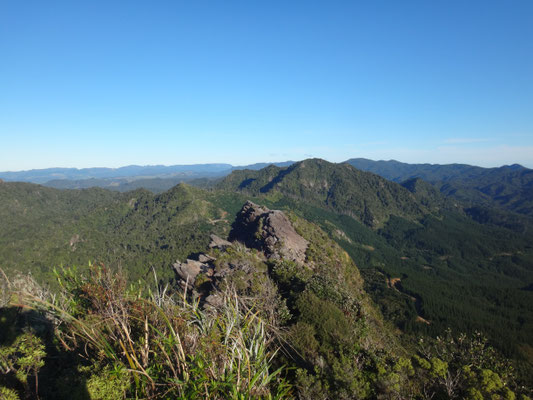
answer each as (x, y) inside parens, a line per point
(405, 290)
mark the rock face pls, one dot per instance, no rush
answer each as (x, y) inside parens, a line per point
(269, 231)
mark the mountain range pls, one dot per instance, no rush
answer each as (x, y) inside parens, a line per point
(430, 257)
(508, 187)
(123, 177)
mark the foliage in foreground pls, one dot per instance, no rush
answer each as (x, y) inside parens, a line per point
(132, 343)
(146, 345)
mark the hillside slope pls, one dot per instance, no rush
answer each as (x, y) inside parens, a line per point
(509, 187)
(366, 197)
(454, 271)
(43, 228)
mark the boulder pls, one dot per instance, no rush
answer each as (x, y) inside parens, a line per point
(219, 243)
(214, 300)
(204, 258)
(189, 270)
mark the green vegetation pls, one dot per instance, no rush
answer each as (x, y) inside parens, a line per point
(508, 188)
(408, 263)
(450, 271)
(44, 227)
(124, 341)
(338, 187)
(155, 185)
(100, 337)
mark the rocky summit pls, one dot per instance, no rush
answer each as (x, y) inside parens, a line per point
(269, 231)
(255, 227)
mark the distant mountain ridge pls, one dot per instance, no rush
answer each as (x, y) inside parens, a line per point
(48, 174)
(156, 178)
(508, 188)
(392, 170)
(398, 171)
(131, 171)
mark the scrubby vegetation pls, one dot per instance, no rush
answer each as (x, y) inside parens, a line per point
(101, 338)
(452, 271)
(124, 341)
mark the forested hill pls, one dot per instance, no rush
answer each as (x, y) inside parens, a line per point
(156, 178)
(279, 312)
(44, 228)
(509, 187)
(398, 171)
(364, 196)
(461, 272)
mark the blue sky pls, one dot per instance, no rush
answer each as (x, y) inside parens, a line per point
(112, 83)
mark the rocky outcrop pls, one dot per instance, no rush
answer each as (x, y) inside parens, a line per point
(204, 258)
(269, 231)
(190, 269)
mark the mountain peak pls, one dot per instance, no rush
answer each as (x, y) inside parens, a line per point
(365, 196)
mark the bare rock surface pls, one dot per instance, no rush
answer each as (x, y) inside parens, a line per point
(255, 227)
(205, 258)
(214, 300)
(269, 231)
(189, 270)
(218, 242)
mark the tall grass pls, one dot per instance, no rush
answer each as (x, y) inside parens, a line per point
(163, 344)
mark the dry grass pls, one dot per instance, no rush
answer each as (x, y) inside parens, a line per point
(165, 343)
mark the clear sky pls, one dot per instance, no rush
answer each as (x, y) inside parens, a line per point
(111, 83)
